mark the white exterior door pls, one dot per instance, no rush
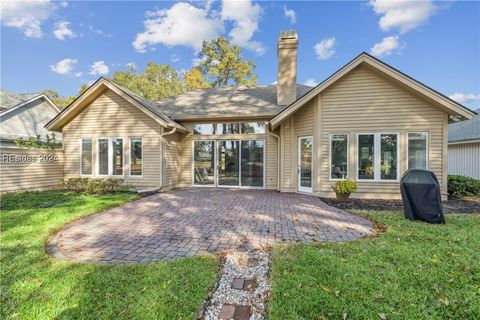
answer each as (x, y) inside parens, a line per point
(305, 164)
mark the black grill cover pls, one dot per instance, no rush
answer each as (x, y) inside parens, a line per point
(421, 196)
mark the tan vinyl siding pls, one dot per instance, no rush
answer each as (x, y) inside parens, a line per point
(112, 116)
(288, 155)
(464, 159)
(363, 102)
(186, 157)
(171, 163)
(30, 175)
(271, 161)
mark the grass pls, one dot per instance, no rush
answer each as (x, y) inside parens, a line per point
(36, 286)
(413, 271)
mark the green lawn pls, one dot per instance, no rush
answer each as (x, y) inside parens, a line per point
(413, 271)
(35, 286)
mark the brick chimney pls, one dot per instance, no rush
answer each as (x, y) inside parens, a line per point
(287, 67)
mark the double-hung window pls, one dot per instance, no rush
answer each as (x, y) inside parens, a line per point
(338, 156)
(378, 157)
(110, 157)
(418, 150)
(136, 157)
(86, 163)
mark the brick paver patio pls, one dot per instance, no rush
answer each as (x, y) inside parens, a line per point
(184, 222)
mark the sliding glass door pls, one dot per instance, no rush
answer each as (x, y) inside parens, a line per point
(204, 163)
(228, 163)
(252, 163)
(228, 173)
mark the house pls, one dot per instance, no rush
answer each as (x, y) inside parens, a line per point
(464, 148)
(367, 122)
(24, 116)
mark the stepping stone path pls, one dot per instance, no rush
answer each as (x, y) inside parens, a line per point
(243, 288)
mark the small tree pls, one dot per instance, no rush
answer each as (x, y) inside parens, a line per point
(222, 64)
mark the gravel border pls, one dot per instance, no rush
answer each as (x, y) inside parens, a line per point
(224, 294)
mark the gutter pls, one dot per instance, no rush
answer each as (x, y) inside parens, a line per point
(269, 132)
(162, 135)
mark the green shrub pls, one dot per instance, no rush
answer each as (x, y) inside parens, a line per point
(460, 186)
(96, 185)
(345, 186)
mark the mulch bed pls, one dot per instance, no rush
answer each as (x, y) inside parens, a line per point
(469, 205)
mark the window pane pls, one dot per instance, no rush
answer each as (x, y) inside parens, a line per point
(388, 156)
(103, 156)
(339, 151)
(204, 162)
(417, 151)
(252, 163)
(117, 160)
(228, 128)
(208, 128)
(136, 156)
(306, 162)
(366, 158)
(86, 156)
(253, 127)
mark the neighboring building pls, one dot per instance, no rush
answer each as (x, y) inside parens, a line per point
(24, 116)
(367, 122)
(464, 148)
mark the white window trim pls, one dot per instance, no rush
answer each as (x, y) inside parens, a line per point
(110, 158)
(81, 154)
(130, 158)
(427, 145)
(330, 155)
(377, 157)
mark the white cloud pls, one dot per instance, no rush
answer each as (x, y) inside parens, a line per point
(386, 47)
(78, 74)
(64, 66)
(311, 82)
(245, 17)
(99, 68)
(290, 14)
(174, 58)
(63, 4)
(275, 82)
(62, 31)
(464, 97)
(131, 66)
(27, 16)
(403, 15)
(325, 48)
(182, 24)
(99, 32)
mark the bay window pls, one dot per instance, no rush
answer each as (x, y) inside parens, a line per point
(378, 157)
(417, 150)
(338, 156)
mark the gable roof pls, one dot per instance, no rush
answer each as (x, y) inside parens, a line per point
(364, 59)
(98, 88)
(465, 131)
(225, 103)
(10, 101)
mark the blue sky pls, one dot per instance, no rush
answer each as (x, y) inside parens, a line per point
(60, 45)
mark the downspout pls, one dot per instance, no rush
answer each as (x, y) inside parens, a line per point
(269, 132)
(162, 139)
